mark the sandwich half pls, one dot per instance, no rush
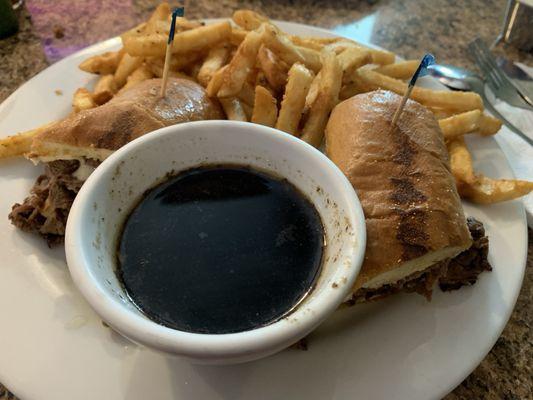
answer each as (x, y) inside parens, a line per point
(414, 218)
(72, 148)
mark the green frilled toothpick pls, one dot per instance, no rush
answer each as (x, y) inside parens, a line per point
(178, 12)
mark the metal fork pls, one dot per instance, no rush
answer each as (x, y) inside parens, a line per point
(499, 83)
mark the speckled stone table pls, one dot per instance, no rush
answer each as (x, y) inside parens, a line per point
(51, 30)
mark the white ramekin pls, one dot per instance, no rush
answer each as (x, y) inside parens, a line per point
(109, 194)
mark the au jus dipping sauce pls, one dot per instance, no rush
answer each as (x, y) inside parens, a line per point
(220, 249)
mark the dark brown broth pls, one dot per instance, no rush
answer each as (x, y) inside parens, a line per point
(220, 249)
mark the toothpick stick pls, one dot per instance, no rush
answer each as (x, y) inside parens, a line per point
(178, 12)
(422, 70)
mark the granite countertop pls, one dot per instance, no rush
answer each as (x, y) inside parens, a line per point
(52, 30)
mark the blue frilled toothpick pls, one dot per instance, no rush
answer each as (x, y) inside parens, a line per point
(422, 70)
(178, 12)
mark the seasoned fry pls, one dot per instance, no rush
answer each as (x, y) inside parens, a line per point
(265, 107)
(273, 67)
(380, 57)
(184, 24)
(479, 188)
(237, 36)
(140, 74)
(138, 30)
(161, 13)
(457, 101)
(82, 100)
(214, 61)
(489, 191)
(248, 20)
(401, 70)
(311, 58)
(194, 40)
(306, 42)
(216, 82)
(233, 109)
(127, 65)
(353, 58)
(315, 43)
(177, 63)
(19, 144)
(298, 84)
(461, 163)
(460, 124)
(102, 64)
(247, 94)
(241, 64)
(105, 89)
(326, 98)
(278, 42)
(489, 125)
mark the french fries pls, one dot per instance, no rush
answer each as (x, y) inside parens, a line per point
(140, 74)
(460, 124)
(402, 70)
(353, 58)
(233, 108)
(456, 101)
(281, 44)
(292, 106)
(479, 188)
(102, 64)
(105, 89)
(127, 65)
(215, 59)
(241, 65)
(82, 100)
(326, 98)
(248, 20)
(265, 107)
(247, 94)
(253, 64)
(193, 40)
(216, 82)
(489, 191)
(489, 125)
(17, 145)
(273, 67)
(161, 13)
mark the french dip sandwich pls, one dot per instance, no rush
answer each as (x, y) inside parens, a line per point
(415, 222)
(72, 148)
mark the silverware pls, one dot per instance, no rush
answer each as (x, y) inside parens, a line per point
(517, 75)
(512, 70)
(462, 79)
(500, 84)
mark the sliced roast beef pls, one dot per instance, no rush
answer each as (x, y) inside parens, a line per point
(451, 274)
(465, 268)
(46, 209)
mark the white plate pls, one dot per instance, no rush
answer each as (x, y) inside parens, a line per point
(52, 345)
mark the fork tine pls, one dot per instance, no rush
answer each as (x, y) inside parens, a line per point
(490, 59)
(480, 61)
(491, 65)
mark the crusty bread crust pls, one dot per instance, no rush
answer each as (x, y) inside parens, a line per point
(413, 212)
(96, 132)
